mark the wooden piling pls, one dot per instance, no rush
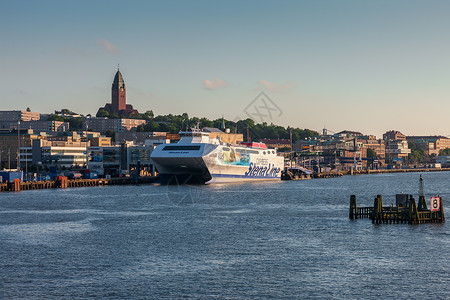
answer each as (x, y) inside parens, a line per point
(353, 213)
(442, 211)
(16, 185)
(422, 204)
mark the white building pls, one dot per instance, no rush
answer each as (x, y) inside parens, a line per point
(443, 160)
(119, 159)
(59, 154)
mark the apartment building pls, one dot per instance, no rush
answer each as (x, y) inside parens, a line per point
(18, 115)
(117, 125)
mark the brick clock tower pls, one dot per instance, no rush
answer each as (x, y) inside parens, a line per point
(118, 103)
(118, 93)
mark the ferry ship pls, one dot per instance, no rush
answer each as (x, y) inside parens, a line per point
(197, 158)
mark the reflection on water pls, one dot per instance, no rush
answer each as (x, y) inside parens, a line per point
(249, 240)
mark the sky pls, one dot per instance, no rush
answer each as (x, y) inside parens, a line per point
(367, 66)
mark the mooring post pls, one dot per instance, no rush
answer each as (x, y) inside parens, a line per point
(413, 217)
(353, 212)
(380, 208)
(441, 204)
(377, 209)
(374, 211)
(17, 184)
(422, 204)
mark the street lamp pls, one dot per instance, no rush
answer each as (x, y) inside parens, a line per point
(18, 145)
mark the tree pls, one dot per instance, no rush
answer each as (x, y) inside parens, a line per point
(371, 153)
(418, 154)
(151, 126)
(102, 113)
(149, 114)
(66, 111)
(75, 123)
(28, 109)
(445, 152)
(56, 118)
(111, 134)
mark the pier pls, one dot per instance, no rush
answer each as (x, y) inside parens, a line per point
(330, 174)
(64, 182)
(296, 173)
(408, 213)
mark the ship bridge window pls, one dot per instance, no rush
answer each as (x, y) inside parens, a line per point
(264, 152)
(168, 148)
(253, 151)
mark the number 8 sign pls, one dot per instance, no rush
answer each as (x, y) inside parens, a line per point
(435, 203)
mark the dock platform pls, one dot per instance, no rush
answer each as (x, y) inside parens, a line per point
(64, 182)
(410, 213)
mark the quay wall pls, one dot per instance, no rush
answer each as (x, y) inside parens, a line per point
(398, 171)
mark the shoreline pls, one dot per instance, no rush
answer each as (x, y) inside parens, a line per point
(65, 183)
(418, 170)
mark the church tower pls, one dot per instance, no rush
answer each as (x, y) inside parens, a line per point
(118, 93)
(118, 105)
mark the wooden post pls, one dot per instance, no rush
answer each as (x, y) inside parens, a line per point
(422, 204)
(377, 209)
(441, 204)
(380, 208)
(413, 217)
(17, 184)
(353, 212)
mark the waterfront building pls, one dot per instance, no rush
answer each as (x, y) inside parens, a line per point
(18, 115)
(394, 135)
(116, 125)
(347, 134)
(397, 151)
(277, 143)
(444, 160)
(343, 150)
(120, 159)
(67, 136)
(100, 141)
(432, 144)
(139, 154)
(104, 160)
(156, 140)
(118, 105)
(58, 153)
(37, 126)
(378, 146)
(137, 137)
(10, 141)
(308, 144)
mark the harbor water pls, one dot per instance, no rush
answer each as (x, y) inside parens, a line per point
(266, 240)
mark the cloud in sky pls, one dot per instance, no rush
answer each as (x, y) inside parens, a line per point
(275, 87)
(214, 84)
(108, 47)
